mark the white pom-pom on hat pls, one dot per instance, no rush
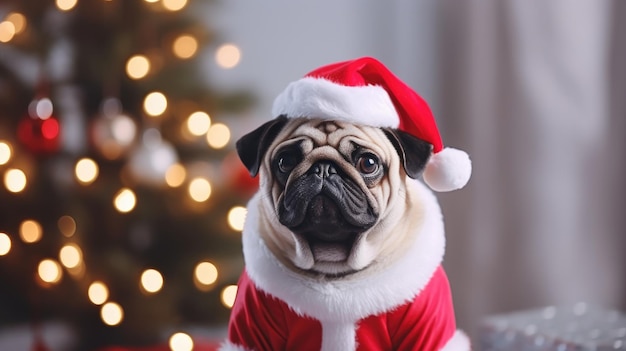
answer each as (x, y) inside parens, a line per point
(364, 91)
(449, 169)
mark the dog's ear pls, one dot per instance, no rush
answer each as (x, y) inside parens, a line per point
(414, 152)
(252, 146)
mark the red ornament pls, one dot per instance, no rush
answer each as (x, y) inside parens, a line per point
(40, 131)
(39, 345)
(238, 177)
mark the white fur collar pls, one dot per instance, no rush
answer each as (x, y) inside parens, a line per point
(348, 300)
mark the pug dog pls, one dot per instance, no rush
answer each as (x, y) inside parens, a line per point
(343, 242)
(334, 191)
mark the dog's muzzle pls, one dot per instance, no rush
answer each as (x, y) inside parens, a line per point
(326, 207)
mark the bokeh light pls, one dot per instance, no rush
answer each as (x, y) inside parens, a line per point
(185, 46)
(66, 5)
(205, 274)
(175, 175)
(125, 200)
(151, 280)
(98, 293)
(181, 342)
(200, 189)
(7, 31)
(18, 20)
(123, 130)
(198, 123)
(5, 152)
(86, 170)
(112, 313)
(71, 255)
(228, 295)
(5, 244)
(137, 67)
(237, 217)
(218, 136)
(49, 271)
(15, 180)
(228, 56)
(174, 5)
(30, 231)
(67, 225)
(155, 104)
(41, 108)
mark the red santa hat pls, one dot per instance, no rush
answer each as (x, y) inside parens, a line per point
(364, 91)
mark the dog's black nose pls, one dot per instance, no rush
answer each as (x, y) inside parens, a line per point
(323, 169)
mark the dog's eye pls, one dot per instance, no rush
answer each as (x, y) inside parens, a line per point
(287, 162)
(367, 163)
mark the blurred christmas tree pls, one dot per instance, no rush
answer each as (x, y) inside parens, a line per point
(120, 197)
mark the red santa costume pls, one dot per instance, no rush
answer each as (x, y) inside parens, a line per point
(406, 306)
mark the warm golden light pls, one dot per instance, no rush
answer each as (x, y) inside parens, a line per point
(7, 31)
(237, 217)
(199, 189)
(86, 170)
(66, 5)
(15, 180)
(18, 20)
(67, 225)
(30, 231)
(98, 293)
(5, 152)
(185, 46)
(70, 255)
(181, 342)
(151, 280)
(49, 271)
(125, 200)
(5, 244)
(218, 136)
(198, 123)
(205, 273)
(228, 56)
(175, 175)
(228, 295)
(155, 104)
(174, 5)
(137, 67)
(151, 1)
(111, 313)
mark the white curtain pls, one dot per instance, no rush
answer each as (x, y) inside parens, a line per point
(534, 91)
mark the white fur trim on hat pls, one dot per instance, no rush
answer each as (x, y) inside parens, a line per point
(229, 346)
(348, 300)
(458, 342)
(321, 98)
(449, 169)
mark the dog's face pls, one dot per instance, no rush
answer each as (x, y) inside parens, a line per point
(334, 192)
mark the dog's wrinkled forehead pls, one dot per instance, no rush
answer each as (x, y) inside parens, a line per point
(344, 137)
(322, 132)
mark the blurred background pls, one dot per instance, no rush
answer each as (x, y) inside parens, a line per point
(121, 197)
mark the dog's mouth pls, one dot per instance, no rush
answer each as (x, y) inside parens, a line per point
(329, 235)
(328, 212)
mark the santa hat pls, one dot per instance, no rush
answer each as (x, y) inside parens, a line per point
(364, 91)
